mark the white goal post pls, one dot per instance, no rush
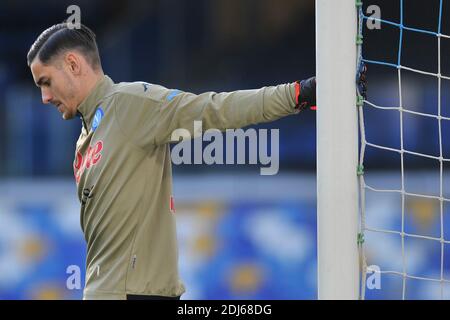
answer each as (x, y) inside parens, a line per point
(337, 150)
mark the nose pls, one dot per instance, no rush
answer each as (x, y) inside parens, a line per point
(46, 96)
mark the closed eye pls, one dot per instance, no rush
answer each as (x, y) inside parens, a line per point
(43, 82)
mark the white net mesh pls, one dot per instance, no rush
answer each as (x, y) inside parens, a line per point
(390, 244)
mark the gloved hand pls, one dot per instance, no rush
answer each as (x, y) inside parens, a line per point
(305, 90)
(305, 94)
(361, 80)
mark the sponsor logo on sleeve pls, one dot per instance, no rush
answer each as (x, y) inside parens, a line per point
(173, 94)
(146, 85)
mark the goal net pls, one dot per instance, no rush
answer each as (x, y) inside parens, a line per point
(401, 231)
(406, 212)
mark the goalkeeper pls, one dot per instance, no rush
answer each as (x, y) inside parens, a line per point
(122, 164)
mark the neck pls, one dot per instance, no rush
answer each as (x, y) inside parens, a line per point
(90, 81)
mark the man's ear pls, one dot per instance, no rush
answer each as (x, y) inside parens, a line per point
(73, 62)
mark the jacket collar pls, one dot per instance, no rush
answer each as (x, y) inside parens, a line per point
(86, 109)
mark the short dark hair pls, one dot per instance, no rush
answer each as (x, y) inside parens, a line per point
(59, 38)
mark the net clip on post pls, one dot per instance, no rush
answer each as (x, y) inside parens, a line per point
(360, 170)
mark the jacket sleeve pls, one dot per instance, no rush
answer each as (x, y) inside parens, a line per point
(153, 118)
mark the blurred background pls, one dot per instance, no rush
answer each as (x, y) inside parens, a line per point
(241, 235)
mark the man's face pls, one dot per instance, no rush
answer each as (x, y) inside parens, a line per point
(58, 86)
